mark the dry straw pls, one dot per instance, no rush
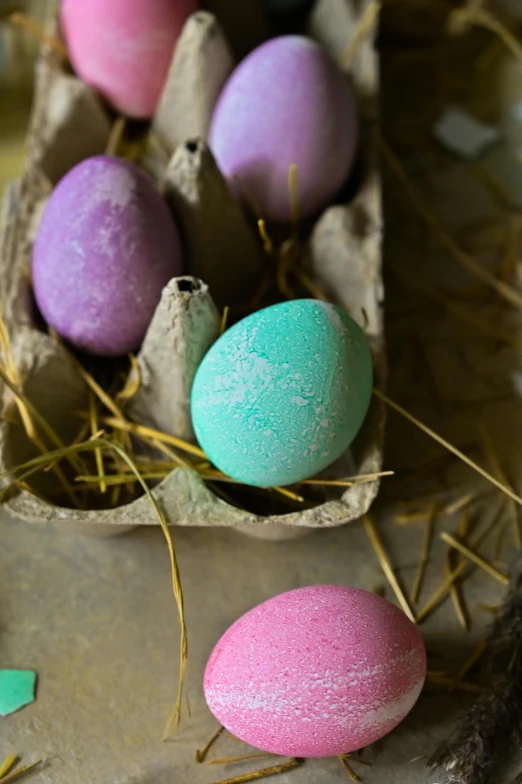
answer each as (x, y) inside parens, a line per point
(386, 566)
(476, 559)
(264, 773)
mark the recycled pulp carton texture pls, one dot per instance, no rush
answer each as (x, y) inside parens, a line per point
(342, 254)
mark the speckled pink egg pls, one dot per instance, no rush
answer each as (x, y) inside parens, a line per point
(286, 103)
(316, 672)
(105, 247)
(123, 48)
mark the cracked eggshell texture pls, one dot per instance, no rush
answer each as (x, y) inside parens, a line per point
(316, 672)
(282, 393)
(286, 103)
(123, 48)
(105, 247)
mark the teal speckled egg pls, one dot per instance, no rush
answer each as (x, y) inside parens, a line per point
(282, 393)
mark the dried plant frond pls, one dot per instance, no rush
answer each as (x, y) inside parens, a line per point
(469, 754)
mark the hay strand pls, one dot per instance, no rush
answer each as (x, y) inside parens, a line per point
(97, 452)
(18, 774)
(470, 662)
(443, 680)
(494, 461)
(132, 382)
(8, 764)
(293, 190)
(365, 28)
(265, 773)
(241, 758)
(443, 589)
(387, 567)
(447, 445)
(201, 755)
(425, 555)
(461, 18)
(455, 592)
(30, 26)
(351, 773)
(116, 135)
(476, 559)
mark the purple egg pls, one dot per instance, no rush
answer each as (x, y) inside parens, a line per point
(286, 103)
(105, 248)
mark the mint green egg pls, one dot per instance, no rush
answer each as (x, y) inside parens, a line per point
(282, 393)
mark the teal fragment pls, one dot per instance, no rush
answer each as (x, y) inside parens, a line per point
(16, 690)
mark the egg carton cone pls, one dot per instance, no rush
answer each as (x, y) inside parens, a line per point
(342, 256)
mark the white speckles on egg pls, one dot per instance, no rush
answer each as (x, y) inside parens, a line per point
(287, 388)
(105, 248)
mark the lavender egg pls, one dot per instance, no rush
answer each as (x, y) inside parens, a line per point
(105, 248)
(286, 103)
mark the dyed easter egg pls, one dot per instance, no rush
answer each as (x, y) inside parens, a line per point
(316, 672)
(286, 103)
(105, 247)
(123, 48)
(282, 393)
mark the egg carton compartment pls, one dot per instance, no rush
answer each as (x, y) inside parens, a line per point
(341, 254)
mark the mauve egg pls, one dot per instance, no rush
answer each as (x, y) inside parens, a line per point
(286, 103)
(316, 672)
(282, 393)
(123, 48)
(105, 247)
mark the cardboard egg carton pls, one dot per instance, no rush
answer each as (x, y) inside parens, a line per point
(224, 261)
